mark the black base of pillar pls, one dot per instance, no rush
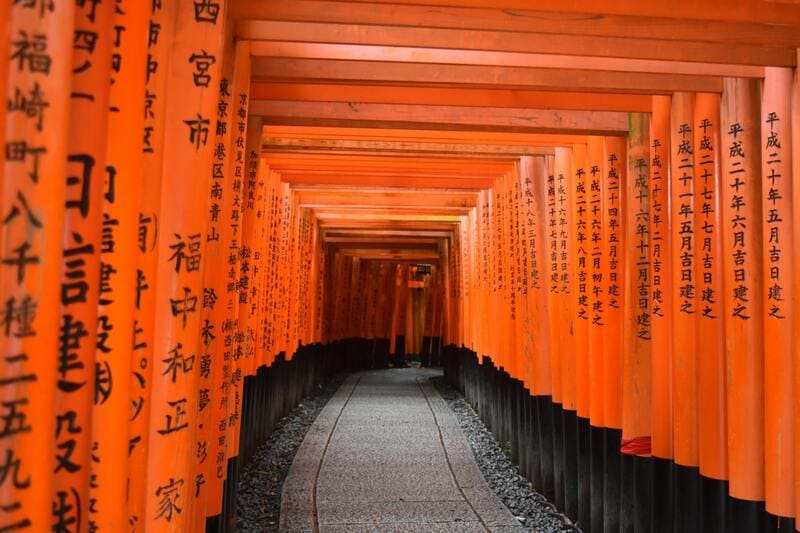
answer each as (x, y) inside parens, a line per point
(687, 498)
(581, 470)
(714, 506)
(597, 478)
(663, 492)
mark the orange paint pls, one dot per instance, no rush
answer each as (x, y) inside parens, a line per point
(598, 281)
(777, 215)
(564, 335)
(796, 281)
(538, 303)
(82, 285)
(33, 187)
(148, 232)
(743, 304)
(615, 156)
(118, 249)
(172, 480)
(251, 233)
(636, 373)
(684, 201)
(580, 289)
(214, 369)
(661, 223)
(711, 318)
(553, 256)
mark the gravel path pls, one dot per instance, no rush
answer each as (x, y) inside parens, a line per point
(532, 509)
(261, 481)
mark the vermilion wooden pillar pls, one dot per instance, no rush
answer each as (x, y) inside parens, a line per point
(535, 196)
(188, 139)
(711, 319)
(580, 277)
(214, 366)
(661, 224)
(82, 283)
(155, 111)
(5, 44)
(795, 113)
(742, 252)
(598, 287)
(684, 252)
(615, 171)
(32, 203)
(581, 321)
(777, 215)
(562, 213)
(637, 333)
(598, 278)
(251, 238)
(118, 247)
(615, 156)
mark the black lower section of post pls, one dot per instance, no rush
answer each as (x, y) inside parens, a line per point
(544, 410)
(612, 489)
(643, 494)
(663, 492)
(584, 474)
(687, 498)
(581, 469)
(558, 455)
(714, 505)
(597, 478)
(746, 516)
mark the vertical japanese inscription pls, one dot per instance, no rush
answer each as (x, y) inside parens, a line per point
(641, 220)
(706, 217)
(34, 151)
(582, 308)
(776, 229)
(82, 382)
(737, 201)
(191, 90)
(118, 239)
(160, 37)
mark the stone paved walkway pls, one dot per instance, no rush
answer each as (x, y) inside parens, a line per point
(387, 454)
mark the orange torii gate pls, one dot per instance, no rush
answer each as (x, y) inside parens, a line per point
(209, 206)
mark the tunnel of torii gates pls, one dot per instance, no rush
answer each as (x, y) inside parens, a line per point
(582, 209)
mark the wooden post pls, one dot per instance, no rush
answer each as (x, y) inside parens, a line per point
(684, 251)
(32, 203)
(188, 140)
(598, 283)
(614, 236)
(637, 334)
(711, 318)
(580, 277)
(118, 248)
(662, 310)
(777, 216)
(155, 110)
(795, 324)
(742, 252)
(82, 284)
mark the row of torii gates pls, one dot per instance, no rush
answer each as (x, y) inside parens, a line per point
(202, 199)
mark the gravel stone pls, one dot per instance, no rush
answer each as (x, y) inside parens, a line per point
(532, 509)
(261, 481)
